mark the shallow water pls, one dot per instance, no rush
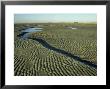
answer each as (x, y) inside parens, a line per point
(71, 28)
(32, 30)
(25, 33)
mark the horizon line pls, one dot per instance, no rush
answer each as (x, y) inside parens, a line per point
(53, 22)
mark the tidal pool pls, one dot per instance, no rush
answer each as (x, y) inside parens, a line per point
(25, 33)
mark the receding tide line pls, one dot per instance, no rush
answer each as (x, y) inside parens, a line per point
(47, 45)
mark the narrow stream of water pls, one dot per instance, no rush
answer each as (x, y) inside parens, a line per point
(25, 35)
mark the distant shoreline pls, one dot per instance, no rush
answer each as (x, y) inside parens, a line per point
(59, 22)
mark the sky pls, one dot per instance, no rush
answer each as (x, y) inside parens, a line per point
(46, 18)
